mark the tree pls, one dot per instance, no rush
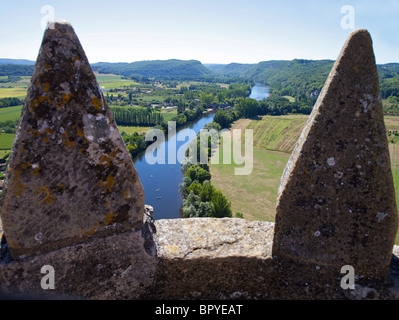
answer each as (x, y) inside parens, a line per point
(221, 207)
(222, 119)
(206, 98)
(193, 207)
(183, 187)
(220, 97)
(247, 108)
(195, 172)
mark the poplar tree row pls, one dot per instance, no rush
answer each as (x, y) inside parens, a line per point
(125, 116)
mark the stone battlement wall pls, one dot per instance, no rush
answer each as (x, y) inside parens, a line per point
(73, 201)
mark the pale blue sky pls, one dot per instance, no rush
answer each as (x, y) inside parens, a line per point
(212, 31)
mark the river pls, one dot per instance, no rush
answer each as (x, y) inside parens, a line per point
(259, 92)
(161, 181)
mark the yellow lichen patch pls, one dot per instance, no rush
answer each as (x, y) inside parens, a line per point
(80, 132)
(82, 232)
(34, 132)
(113, 153)
(108, 183)
(47, 66)
(66, 98)
(91, 231)
(42, 98)
(75, 58)
(126, 194)
(17, 186)
(45, 139)
(46, 87)
(60, 187)
(105, 160)
(13, 244)
(109, 218)
(25, 166)
(67, 142)
(38, 101)
(97, 103)
(44, 193)
(35, 171)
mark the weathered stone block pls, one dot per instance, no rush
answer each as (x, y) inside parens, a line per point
(205, 258)
(336, 203)
(111, 268)
(70, 176)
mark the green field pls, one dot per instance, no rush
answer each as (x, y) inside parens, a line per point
(10, 113)
(131, 130)
(110, 81)
(394, 153)
(255, 195)
(169, 114)
(18, 89)
(252, 195)
(278, 133)
(6, 140)
(13, 93)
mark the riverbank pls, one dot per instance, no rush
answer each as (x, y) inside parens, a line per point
(161, 181)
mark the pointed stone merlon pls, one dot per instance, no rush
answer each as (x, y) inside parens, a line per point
(70, 176)
(336, 203)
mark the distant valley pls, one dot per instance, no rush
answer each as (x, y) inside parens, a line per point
(292, 78)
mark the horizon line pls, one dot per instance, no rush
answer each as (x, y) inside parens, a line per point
(203, 63)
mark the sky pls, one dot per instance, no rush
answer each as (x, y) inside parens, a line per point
(211, 31)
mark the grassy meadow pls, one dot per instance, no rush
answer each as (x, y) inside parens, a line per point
(10, 113)
(6, 140)
(254, 195)
(110, 81)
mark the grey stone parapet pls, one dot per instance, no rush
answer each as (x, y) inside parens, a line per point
(198, 258)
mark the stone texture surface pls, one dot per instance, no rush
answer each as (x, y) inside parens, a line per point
(208, 258)
(111, 268)
(184, 259)
(336, 203)
(204, 258)
(213, 238)
(70, 177)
